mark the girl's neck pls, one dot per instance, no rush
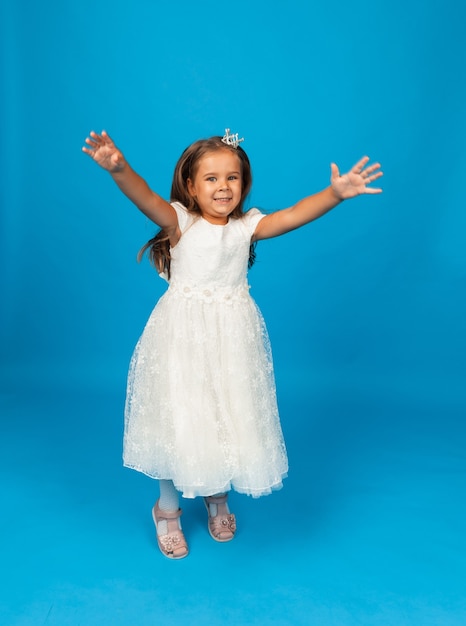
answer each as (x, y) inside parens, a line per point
(215, 221)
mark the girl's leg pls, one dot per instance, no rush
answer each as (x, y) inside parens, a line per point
(169, 497)
(213, 506)
(169, 500)
(166, 515)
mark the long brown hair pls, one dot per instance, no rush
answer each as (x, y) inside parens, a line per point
(159, 246)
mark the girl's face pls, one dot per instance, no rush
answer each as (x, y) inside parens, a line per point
(217, 185)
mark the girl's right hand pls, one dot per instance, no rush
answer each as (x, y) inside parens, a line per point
(104, 152)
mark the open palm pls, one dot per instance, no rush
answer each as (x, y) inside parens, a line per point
(104, 152)
(354, 183)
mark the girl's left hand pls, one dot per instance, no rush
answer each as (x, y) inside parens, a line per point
(355, 182)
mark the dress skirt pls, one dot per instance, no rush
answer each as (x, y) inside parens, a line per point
(201, 404)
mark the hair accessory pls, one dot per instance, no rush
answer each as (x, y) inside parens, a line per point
(231, 140)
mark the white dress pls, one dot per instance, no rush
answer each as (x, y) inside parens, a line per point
(201, 406)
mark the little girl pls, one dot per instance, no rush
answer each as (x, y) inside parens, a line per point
(201, 411)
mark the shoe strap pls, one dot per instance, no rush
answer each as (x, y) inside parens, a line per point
(160, 514)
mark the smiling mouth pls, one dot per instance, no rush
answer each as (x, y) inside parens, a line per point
(222, 199)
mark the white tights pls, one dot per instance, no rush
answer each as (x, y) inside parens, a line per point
(169, 500)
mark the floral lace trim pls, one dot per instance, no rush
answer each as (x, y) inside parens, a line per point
(211, 293)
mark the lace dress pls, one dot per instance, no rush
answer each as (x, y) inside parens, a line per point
(201, 405)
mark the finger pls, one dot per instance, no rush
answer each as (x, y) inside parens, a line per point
(95, 136)
(360, 165)
(100, 139)
(335, 172)
(371, 168)
(92, 142)
(372, 190)
(90, 151)
(371, 178)
(106, 137)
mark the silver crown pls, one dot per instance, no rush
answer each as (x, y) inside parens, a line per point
(231, 140)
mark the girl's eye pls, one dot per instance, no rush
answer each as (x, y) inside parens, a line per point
(232, 177)
(211, 179)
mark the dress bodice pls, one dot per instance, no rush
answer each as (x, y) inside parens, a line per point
(210, 257)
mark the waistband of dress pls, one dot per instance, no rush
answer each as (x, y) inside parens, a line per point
(210, 293)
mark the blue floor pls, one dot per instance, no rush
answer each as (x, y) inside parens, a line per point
(378, 539)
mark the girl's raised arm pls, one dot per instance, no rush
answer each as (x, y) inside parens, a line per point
(342, 187)
(104, 152)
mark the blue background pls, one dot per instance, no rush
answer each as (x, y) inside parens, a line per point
(366, 308)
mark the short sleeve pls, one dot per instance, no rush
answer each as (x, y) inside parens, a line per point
(185, 218)
(251, 219)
